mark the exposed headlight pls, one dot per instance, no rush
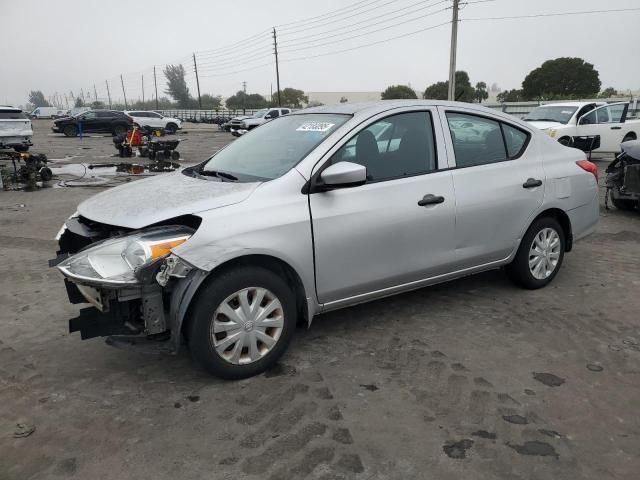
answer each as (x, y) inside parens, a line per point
(551, 132)
(115, 260)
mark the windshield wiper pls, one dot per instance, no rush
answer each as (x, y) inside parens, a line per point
(219, 174)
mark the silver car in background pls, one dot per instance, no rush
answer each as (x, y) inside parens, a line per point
(318, 210)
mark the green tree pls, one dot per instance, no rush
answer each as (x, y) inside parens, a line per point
(242, 100)
(398, 92)
(314, 103)
(291, 97)
(98, 105)
(464, 90)
(513, 95)
(563, 77)
(177, 86)
(210, 102)
(79, 103)
(609, 92)
(481, 92)
(36, 97)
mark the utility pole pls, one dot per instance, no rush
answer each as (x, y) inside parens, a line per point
(124, 94)
(195, 66)
(82, 96)
(108, 93)
(95, 93)
(244, 97)
(66, 100)
(155, 84)
(454, 48)
(143, 88)
(275, 50)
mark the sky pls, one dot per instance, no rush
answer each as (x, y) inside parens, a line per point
(69, 45)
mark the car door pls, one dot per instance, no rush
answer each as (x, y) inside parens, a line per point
(89, 122)
(607, 122)
(397, 228)
(154, 120)
(499, 183)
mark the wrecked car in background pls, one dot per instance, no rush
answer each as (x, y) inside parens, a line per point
(311, 213)
(623, 177)
(15, 129)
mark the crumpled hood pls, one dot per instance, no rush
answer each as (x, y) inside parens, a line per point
(545, 125)
(146, 202)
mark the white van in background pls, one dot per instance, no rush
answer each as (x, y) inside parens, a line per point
(48, 112)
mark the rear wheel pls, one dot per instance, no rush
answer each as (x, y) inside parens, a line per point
(171, 128)
(70, 131)
(623, 203)
(175, 155)
(242, 322)
(539, 256)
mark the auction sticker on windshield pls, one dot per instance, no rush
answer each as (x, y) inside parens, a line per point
(315, 127)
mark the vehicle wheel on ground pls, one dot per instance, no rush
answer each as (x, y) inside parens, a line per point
(70, 131)
(566, 141)
(120, 129)
(623, 203)
(540, 254)
(46, 174)
(242, 322)
(159, 156)
(151, 155)
(175, 155)
(21, 148)
(171, 128)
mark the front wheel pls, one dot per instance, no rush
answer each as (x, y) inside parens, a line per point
(539, 256)
(242, 322)
(70, 131)
(171, 128)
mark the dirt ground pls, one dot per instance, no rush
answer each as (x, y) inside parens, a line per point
(470, 379)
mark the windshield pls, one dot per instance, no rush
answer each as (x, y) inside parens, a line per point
(551, 114)
(260, 113)
(271, 150)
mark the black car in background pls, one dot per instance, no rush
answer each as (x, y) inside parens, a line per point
(94, 121)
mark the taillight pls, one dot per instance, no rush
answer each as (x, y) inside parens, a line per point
(588, 166)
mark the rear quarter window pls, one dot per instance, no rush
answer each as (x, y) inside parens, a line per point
(515, 139)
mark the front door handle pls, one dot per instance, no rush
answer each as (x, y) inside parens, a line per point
(616, 128)
(430, 199)
(532, 183)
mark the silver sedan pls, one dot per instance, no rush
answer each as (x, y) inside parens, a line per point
(318, 210)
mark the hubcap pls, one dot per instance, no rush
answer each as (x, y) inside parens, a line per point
(544, 253)
(247, 325)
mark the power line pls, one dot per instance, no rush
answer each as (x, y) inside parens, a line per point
(237, 71)
(260, 53)
(388, 19)
(335, 52)
(366, 33)
(235, 46)
(339, 20)
(309, 20)
(585, 12)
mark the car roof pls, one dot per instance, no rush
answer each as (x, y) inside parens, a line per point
(366, 109)
(571, 104)
(7, 107)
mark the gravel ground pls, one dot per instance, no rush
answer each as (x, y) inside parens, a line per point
(470, 379)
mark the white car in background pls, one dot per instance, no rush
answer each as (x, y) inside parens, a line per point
(15, 129)
(568, 120)
(146, 118)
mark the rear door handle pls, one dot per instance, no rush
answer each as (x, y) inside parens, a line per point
(430, 199)
(532, 183)
(616, 128)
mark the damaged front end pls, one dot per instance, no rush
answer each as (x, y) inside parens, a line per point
(131, 279)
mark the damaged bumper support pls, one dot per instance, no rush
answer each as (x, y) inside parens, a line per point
(134, 285)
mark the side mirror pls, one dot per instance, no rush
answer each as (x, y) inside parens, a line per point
(342, 175)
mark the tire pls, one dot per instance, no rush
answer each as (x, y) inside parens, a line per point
(519, 270)
(21, 148)
(171, 128)
(70, 131)
(120, 129)
(175, 155)
(566, 141)
(222, 292)
(159, 157)
(151, 155)
(46, 174)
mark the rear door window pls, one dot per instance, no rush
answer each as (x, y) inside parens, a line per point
(476, 140)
